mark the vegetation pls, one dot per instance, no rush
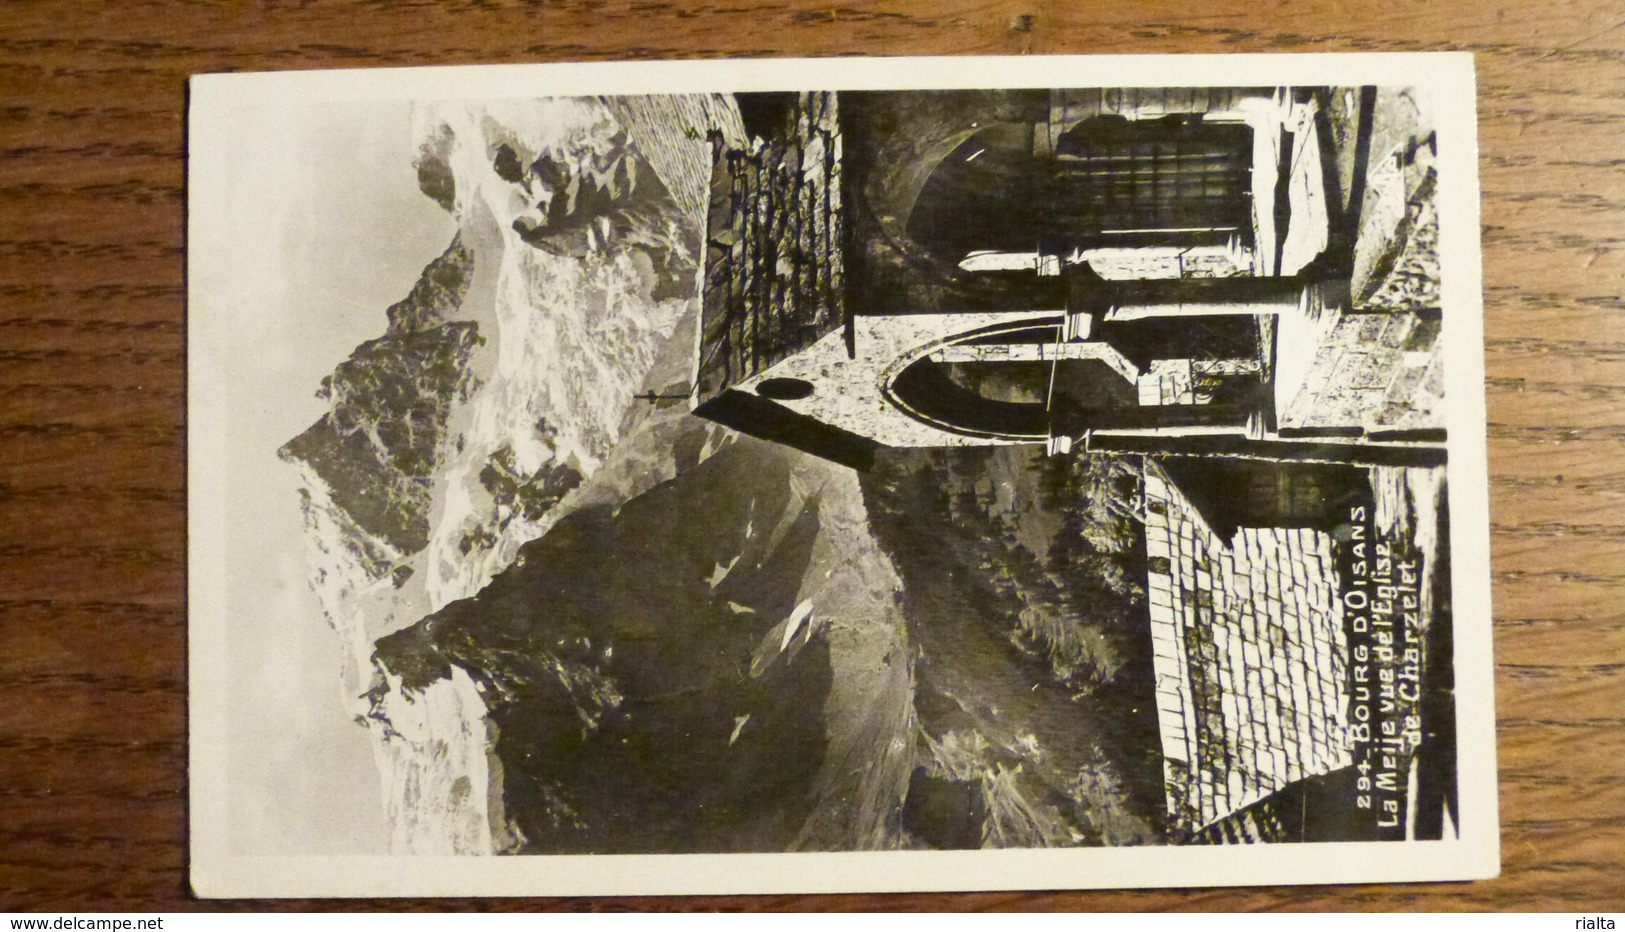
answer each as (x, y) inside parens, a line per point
(1024, 585)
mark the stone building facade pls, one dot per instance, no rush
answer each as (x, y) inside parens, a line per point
(1057, 267)
(1102, 269)
(1376, 359)
(1379, 372)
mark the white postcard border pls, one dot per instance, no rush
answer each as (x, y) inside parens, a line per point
(216, 872)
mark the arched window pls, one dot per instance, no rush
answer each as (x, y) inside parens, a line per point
(956, 398)
(1013, 382)
(1026, 382)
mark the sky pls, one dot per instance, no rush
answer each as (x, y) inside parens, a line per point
(333, 229)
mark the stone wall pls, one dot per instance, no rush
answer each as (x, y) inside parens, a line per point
(1249, 653)
(1375, 371)
(1379, 363)
(773, 267)
(1396, 261)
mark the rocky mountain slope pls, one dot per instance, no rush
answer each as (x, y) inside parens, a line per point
(501, 382)
(582, 621)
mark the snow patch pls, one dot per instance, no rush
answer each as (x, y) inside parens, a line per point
(432, 750)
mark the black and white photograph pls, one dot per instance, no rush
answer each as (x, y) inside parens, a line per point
(858, 475)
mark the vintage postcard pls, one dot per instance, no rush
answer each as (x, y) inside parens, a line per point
(838, 476)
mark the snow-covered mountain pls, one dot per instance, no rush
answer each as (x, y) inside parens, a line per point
(719, 663)
(585, 621)
(500, 386)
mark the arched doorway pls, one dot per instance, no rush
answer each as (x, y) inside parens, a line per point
(1109, 182)
(1027, 382)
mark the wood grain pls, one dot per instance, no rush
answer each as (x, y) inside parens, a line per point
(92, 425)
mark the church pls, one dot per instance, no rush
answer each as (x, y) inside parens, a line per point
(1141, 271)
(1109, 269)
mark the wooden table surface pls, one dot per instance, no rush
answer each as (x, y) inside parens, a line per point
(93, 809)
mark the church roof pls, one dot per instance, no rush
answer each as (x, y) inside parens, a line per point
(1249, 650)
